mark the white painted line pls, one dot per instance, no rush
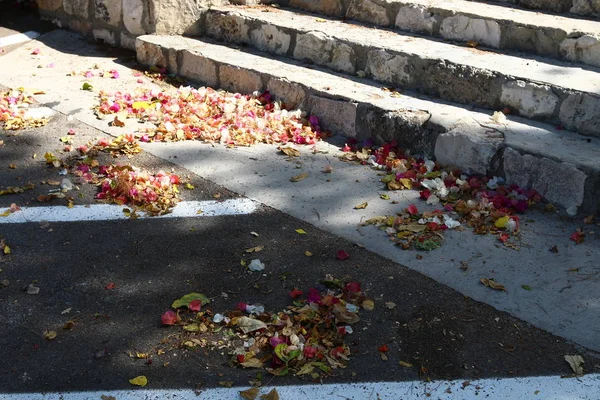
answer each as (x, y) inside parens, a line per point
(543, 388)
(106, 212)
(18, 38)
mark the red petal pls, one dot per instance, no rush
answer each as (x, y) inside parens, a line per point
(342, 255)
(295, 293)
(110, 286)
(352, 287)
(383, 349)
(412, 209)
(195, 305)
(169, 318)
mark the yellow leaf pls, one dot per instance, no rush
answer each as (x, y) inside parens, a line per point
(406, 183)
(502, 221)
(189, 186)
(6, 249)
(301, 231)
(361, 206)
(492, 284)
(368, 305)
(255, 249)
(290, 151)
(6, 213)
(308, 253)
(405, 364)
(298, 178)
(139, 381)
(50, 335)
(140, 104)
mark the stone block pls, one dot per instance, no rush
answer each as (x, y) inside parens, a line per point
(416, 18)
(328, 7)
(108, 11)
(369, 12)
(586, 7)
(83, 27)
(150, 54)
(320, 49)
(560, 183)
(460, 27)
(78, 8)
(337, 116)
(407, 127)
(176, 17)
(584, 49)
(227, 27)
(581, 112)
(386, 67)
(291, 94)
(198, 68)
(127, 41)
(472, 148)
(270, 39)
(105, 35)
(133, 14)
(533, 39)
(530, 99)
(49, 5)
(546, 5)
(238, 79)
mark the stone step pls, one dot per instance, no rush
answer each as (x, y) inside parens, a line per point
(563, 166)
(535, 88)
(489, 25)
(585, 8)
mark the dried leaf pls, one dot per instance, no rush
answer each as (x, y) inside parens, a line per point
(384, 196)
(576, 362)
(300, 177)
(227, 384)
(290, 151)
(405, 364)
(390, 304)
(308, 253)
(492, 284)
(272, 395)
(119, 121)
(250, 394)
(139, 381)
(344, 316)
(368, 305)
(250, 324)
(252, 363)
(50, 335)
(32, 289)
(361, 206)
(255, 249)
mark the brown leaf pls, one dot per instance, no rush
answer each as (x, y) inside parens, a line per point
(255, 249)
(492, 284)
(405, 364)
(298, 178)
(119, 121)
(252, 363)
(576, 362)
(249, 394)
(227, 384)
(361, 206)
(272, 395)
(344, 316)
(290, 151)
(368, 305)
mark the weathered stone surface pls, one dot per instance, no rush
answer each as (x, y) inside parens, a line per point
(550, 5)
(150, 54)
(320, 49)
(49, 5)
(269, 38)
(227, 27)
(105, 35)
(239, 79)
(584, 49)
(368, 11)
(586, 7)
(472, 148)
(483, 31)
(198, 68)
(533, 39)
(328, 7)
(176, 17)
(78, 8)
(559, 183)
(415, 18)
(406, 127)
(127, 41)
(530, 99)
(291, 94)
(338, 116)
(108, 11)
(83, 27)
(581, 112)
(133, 12)
(386, 67)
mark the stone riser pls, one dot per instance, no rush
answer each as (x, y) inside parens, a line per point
(479, 79)
(488, 25)
(337, 8)
(563, 169)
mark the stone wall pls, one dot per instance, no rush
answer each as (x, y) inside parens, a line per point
(118, 22)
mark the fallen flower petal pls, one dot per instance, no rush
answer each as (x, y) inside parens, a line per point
(342, 255)
(169, 318)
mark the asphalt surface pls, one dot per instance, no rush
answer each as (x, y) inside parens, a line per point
(152, 262)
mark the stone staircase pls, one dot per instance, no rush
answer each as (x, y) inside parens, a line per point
(426, 73)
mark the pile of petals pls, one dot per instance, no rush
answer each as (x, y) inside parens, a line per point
(486, 204)
(307, 338)
(213, 116)
(14, 106)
